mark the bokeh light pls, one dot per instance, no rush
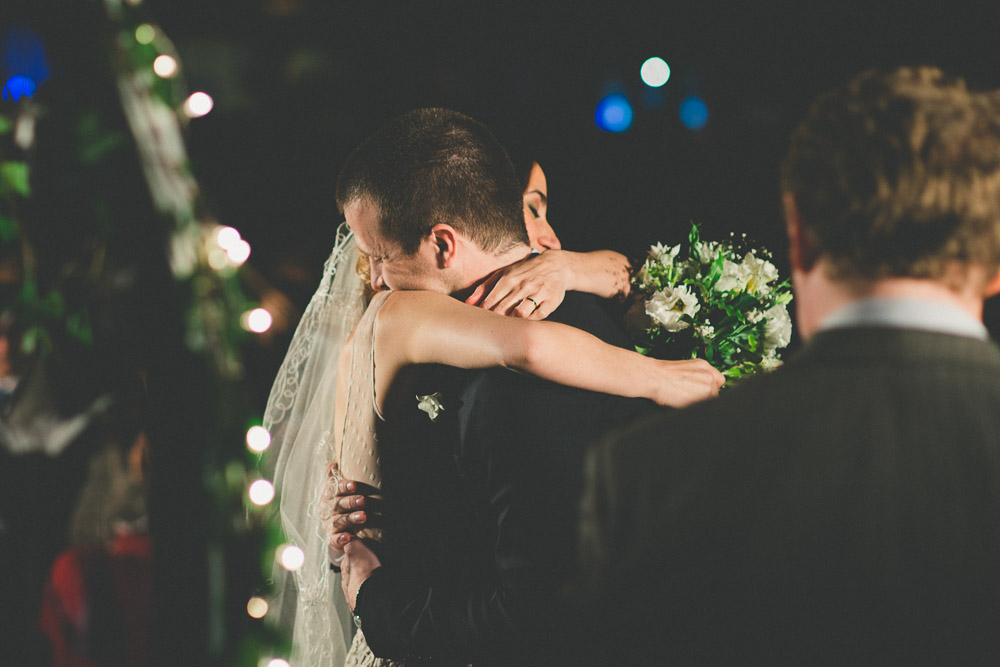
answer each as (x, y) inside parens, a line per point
(165, 66)
(145, 34)
(198, 105)
(226, 237)
(258, 438)
(239, 252)
(261, 492)
(655, 72)
(18, 86)
(257, 320)
(290, 557)
(257, 607)
(613, 113)
(693, 113)
(274, 662)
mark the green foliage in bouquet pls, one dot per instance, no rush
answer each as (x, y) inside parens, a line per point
(720, 301)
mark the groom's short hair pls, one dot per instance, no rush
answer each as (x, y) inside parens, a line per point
(897, 174)
(432, 166)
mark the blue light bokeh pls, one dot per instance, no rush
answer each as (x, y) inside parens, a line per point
(694, 113)
(613, 113)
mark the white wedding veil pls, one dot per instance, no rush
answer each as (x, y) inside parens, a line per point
(308, 604)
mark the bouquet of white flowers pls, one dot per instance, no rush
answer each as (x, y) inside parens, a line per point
(720, 301)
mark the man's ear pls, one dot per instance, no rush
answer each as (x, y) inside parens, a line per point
(801, 252)
(445, 241)
(993, 286)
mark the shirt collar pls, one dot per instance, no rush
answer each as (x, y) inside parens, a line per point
(907, 313)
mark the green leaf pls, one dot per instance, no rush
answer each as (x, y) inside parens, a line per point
(5, 125)
(14, 178)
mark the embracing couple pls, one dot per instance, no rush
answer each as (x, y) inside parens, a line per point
(455, 488)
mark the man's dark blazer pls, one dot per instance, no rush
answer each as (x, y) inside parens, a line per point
(842, 509)
(470, 583)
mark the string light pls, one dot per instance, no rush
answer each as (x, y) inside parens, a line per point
(239, 252)
(261, 492)
(165, 66)
(258, 438)
(226, 237)
(257, 607)
(291, 557)
(198, 104)
(145, 34)
(257, 320)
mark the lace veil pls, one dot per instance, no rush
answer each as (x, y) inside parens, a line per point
(308, 604)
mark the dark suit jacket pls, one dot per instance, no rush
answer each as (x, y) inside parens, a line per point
(843, 509)
(516, 446)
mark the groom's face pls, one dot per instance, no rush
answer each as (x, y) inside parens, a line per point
(390, 267)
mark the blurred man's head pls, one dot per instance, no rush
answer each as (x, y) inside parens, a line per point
(897, 175)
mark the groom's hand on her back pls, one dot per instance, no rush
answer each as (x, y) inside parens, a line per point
(344, 507)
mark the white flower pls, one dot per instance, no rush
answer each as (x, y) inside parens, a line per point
(770, 361)
(707, 252)
(667, 306)
(431, 404)
(664, 255)
(646, 280)
(705, 331)
(752, 274)
(777, 328)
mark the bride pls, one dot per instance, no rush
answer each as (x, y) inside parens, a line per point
(330, 395)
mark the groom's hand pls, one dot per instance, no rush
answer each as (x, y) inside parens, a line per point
(359, 563)
(344, 507)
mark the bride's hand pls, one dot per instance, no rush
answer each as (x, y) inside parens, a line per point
(531, 288)
(681, 383)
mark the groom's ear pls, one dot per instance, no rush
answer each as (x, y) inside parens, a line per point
(445, 241)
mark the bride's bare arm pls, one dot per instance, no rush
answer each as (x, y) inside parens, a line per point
(547, 276)
(426, 327)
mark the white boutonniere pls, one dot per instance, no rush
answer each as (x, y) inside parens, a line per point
(431, 404)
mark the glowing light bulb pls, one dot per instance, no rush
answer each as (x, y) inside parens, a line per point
(257, 607)
(198, 104)
(261, 492)
(291, 557)
(654, 72)
(226, 237)
(165, 66)
(257, 320)
(145, 34)
(277, 662)
(238, 252)
(258, 438)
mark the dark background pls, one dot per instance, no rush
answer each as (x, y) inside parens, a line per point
(298, 83)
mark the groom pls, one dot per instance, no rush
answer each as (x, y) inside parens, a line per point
(483, 526)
